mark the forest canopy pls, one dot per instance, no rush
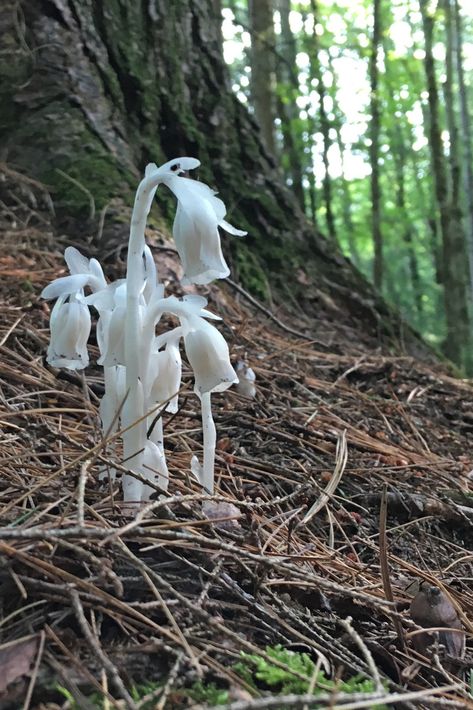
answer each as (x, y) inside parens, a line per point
(367, 106)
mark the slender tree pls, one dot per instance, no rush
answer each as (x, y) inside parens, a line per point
(316, 73)
(457, 343)
(375, 125)
(467, 154)
(289, 90)
(344, 186)
(396, 133)
(262, 67)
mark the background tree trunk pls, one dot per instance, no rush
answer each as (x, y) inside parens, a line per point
(467, 155)
(316, 73)
(262, 67)
(457, 343)
(287, 108)
(97, 88)
(374, 149)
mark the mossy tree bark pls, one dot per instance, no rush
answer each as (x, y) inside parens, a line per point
(97, 88)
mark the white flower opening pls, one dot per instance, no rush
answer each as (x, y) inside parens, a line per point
(142, 370)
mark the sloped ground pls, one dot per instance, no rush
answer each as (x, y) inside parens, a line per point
(104, 602)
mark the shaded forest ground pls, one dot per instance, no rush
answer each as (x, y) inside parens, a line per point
(97, 601)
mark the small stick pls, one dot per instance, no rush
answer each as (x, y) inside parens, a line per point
(355, 636)
(384, 564)
(34, 674)
(81, 492)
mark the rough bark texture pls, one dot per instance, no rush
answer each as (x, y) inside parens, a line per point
(99, 87)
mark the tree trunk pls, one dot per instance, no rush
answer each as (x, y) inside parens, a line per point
(374, 149)
(457, 343)
(399, 153)
(346, 199)
(316, 74)
(287, 107)
(97, 88)
(262, 67)
(467, 157)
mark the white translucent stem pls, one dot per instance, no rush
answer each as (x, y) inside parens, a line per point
(109, 416)
(157, 434)
(210, 440)
(134, 438)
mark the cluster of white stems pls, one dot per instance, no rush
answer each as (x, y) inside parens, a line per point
(142, 370)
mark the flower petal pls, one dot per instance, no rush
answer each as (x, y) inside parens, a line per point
(65, 285)
(70, 329)
(231, 230)
(182, 164)
(209, 358)
(76, 262)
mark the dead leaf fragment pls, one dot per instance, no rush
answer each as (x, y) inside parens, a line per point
(16, 659)
(224, 514)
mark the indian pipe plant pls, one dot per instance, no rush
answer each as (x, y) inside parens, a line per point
(142, 370)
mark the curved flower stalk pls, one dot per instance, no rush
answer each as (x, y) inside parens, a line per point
(209, 358)
(142, 370)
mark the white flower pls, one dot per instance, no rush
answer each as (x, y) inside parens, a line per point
(246, 385)
(198, 216)
(70, 329)
(167, 364)
(84, 272)
(208, 356)
(111, 304)
(70, 317)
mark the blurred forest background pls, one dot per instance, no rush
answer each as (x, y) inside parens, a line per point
(366, 106)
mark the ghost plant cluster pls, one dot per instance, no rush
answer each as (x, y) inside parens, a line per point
(142, 370)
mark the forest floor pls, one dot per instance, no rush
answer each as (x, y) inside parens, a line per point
(93, 602)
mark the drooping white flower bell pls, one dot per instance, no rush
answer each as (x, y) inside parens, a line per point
(167, 364)
(70, 328)
(70, 318)
(208, 356)
(195, 230)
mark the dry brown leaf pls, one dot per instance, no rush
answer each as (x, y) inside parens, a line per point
(16, 659)
(223, 513)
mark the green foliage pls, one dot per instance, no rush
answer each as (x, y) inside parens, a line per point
(208, 693)
(291, 672)
(338, 47)
(296, 676)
